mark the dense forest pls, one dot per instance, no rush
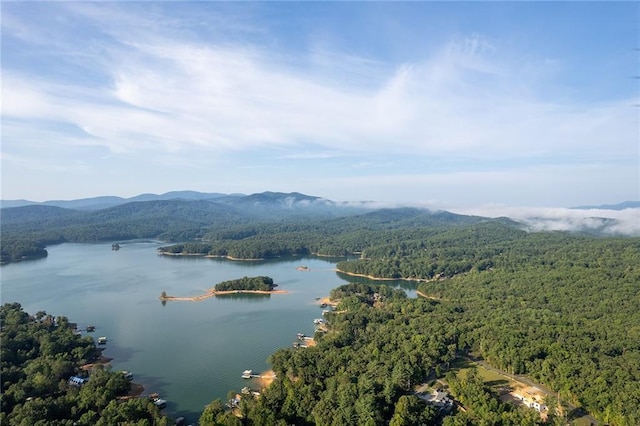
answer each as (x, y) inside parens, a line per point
(564, 310)
(247, 283)
(363, 371)
(560, 308)
(39, 355)
(171, 220)
(338, 237)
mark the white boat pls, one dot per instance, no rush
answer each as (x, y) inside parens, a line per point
(160, 403)
(246, 374)
(102, 340)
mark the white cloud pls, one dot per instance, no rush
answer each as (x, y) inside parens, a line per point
(625, 222)
(170, 95)
(174, 90)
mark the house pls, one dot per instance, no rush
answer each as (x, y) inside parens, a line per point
(438, 398)
(530, 402)
(77, 381)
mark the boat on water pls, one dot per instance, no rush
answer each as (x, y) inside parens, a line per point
(102, 340)
(246, 374)
(91, 328)
(160, 403)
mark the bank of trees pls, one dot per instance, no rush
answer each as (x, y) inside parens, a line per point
(16, 249)
(39, 353)
(564, 310)
(260, 283)
(363, 372)
(560, 308)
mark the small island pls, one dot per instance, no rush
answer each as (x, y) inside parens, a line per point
(260, 283)
(251, 285)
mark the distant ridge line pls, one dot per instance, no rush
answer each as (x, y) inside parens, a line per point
(620, 206)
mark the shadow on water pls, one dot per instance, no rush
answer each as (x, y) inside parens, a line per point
(247, 297)
(155, 385)
(152, 384)
(401, 284)
(120, 353)
(31, 261)
(191, 418)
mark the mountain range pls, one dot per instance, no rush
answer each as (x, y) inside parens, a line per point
(103, 202)
(293, 199)
(179, 210)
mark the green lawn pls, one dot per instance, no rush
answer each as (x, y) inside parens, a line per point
(492, 379)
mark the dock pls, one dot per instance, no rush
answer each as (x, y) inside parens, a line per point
(248, 374)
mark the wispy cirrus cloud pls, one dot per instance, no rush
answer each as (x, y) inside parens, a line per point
(156, 86)
(166, 94)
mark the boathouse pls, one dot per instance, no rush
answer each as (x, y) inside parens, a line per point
(77, 381)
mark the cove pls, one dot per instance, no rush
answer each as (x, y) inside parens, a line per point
(189, 352)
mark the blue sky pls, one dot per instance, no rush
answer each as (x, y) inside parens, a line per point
(449, 104)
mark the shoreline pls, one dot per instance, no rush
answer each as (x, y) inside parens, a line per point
(136, 390)
(371, 277)
(213, 256)
(327, 301)
(266, 378)
(250, 259)
(213, 293)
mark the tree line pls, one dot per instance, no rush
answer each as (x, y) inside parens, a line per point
(260, 283)
(39, 354)
(560, 308)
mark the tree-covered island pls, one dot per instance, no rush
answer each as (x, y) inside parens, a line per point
(260, 283)
(253, 285)
(559, 308)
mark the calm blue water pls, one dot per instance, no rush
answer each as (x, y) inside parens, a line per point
(189, 352)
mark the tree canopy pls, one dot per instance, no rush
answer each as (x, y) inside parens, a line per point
(39, 355)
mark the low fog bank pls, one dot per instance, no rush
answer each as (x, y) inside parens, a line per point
(611, 222)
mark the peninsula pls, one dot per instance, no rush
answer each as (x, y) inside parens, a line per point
(245, 285)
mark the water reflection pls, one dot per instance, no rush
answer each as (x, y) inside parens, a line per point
(410, 286)
(190, 352)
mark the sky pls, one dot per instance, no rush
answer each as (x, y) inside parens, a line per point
(448, 104)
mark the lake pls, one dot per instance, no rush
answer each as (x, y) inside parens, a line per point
(189, 352)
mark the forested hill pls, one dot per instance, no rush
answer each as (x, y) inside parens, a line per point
(560, 308)
(242, 226)
(27, 230)
(103, 202)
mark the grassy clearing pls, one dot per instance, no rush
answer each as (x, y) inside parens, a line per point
(492, 379)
